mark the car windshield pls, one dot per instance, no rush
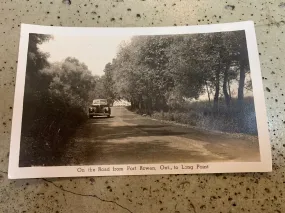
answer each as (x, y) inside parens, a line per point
(100, 102)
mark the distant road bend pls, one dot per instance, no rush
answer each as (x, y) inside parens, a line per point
(128, 138)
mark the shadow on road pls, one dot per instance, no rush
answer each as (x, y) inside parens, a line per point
(110, 141)
(113, 141)
(133, 152)
(126, 138)
(102, 130)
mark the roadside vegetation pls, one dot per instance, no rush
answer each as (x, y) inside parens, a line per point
(200, 114)
(197, 79)
(55, 102)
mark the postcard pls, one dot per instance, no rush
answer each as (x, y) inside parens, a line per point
(138, 101)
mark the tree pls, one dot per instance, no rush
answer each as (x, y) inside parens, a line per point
(99, 90)
(36, 83)
(36, 60)
(186, 71)
(152, 71)
(109, 83)
(237, 60)
(71, 82)
(232, 58)
(243, 64)
(141, 74)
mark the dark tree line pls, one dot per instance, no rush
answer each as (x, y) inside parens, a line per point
(160, 72)
(162, 75)
(55, 102)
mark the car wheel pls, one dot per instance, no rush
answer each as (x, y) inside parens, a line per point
(108, 116)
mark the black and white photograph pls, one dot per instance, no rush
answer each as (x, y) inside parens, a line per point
(157, 101)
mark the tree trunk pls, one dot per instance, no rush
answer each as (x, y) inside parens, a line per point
(150, 108)
(132, 104)
(144, 106)
(208, 92)
(241, 84)
(241, 97)
(225, 89)
(229, 88)
(217, 90)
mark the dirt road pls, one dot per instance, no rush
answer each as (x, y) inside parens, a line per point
(130, 138)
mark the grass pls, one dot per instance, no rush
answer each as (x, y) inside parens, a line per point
(200, 114)
(46, 128)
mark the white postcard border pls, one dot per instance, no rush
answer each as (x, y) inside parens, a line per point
(265, 165)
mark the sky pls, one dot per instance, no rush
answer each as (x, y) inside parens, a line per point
(94, 51)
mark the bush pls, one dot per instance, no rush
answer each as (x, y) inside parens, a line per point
(202, 115)
(51, 114)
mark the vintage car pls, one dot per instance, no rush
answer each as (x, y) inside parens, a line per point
(100, 107)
